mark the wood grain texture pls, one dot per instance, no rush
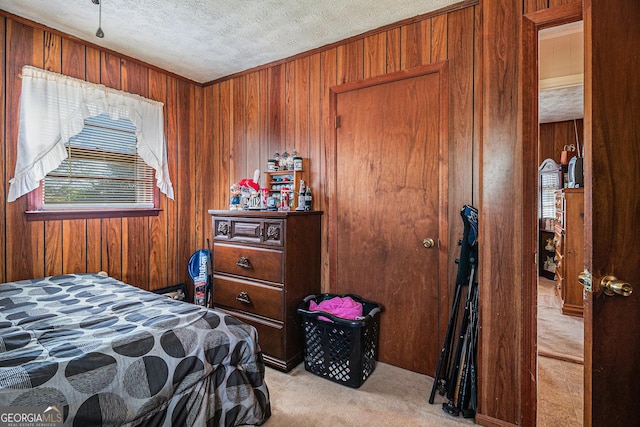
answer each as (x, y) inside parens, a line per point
(554, 136)
(24, 252)
(158, 225)
(532, 22)
(142, 250)
(500, 215)
(3, 143)
(390, 141)
(298, 98)
(612, 207)
(495, 164)
(416, 38)
(375, 55)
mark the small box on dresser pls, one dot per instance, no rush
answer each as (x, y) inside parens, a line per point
(264, 264)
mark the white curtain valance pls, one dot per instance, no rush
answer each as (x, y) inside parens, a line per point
(52, 110)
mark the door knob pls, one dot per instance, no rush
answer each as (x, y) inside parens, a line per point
(609, 285)
(428, 243)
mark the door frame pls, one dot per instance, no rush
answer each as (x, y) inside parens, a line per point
(440, 68)
(531, 24)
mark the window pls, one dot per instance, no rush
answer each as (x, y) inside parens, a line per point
(86, 150)
(102, 171)
(550, 180)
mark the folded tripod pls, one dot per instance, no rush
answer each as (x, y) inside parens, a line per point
(456, 371)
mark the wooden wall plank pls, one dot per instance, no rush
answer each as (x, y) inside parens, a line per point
(158, 225)
(25, 250)
(301, 116)
(53, 234)
(237, 147)
(350, 61)
(199, 153)
(219, 197)
(3, 142)
(460, 42)
(92, 69)
(416, 39)
(276, 141)
(289, 107)
(314, 175)
(252, 132)
(111, 75)
(323, 188)
(186, 215)
(263, 122)
(375, 55)
(554, 136)
(535, 5)
(74, 232)
(439, 38)
(209, 124)
(394, 50)
(223, 151)
(135, 239)
(501, 218)
(171, 129)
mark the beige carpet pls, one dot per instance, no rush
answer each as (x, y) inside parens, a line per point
(559, 335)
(391, 396)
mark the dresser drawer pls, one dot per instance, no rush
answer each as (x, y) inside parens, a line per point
(257, 263)
(256, 231)
(254, 298)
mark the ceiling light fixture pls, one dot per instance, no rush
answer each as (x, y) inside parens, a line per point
(99, 33)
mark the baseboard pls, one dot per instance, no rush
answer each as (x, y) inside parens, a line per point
(544, 352)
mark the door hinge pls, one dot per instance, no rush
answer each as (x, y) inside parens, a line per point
(337, 122)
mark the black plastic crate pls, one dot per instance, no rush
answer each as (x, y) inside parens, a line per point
(342, 350)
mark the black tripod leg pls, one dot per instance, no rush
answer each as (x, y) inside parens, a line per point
(443, 361)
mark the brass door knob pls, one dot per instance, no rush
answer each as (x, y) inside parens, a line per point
(609, 285)
(428, 243)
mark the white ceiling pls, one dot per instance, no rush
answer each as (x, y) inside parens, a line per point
(203, 40)
(561, 73)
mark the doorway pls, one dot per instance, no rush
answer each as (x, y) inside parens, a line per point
(546, 293)
(389, 190)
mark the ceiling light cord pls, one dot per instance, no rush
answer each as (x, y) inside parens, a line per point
(99, 33)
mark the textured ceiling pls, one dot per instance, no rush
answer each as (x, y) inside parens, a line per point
(203, 40)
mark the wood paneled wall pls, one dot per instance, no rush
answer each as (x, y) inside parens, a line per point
(507, 374)
(149, 252)
(554, 136)
(286, 106)
(222, 132)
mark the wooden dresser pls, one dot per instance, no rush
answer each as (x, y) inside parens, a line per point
(264, 264)
(569, 243)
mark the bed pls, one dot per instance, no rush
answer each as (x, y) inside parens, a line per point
(103, 352)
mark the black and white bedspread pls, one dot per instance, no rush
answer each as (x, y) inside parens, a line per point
(107, 353)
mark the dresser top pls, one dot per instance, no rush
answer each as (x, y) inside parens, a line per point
(261, 214)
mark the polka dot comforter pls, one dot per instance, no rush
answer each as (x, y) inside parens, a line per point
(106, 353)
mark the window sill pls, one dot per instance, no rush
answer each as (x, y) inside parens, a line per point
(49, 215)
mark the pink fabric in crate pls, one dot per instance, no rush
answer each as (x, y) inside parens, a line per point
(345, 308)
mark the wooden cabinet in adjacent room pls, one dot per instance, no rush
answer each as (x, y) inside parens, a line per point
(264, 264)
(569, 242)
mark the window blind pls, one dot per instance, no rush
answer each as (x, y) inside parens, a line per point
(549, 183)
(102, 170)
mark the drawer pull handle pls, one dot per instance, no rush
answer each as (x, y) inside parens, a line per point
(243, 297)
(223, 228)
(243, 262)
